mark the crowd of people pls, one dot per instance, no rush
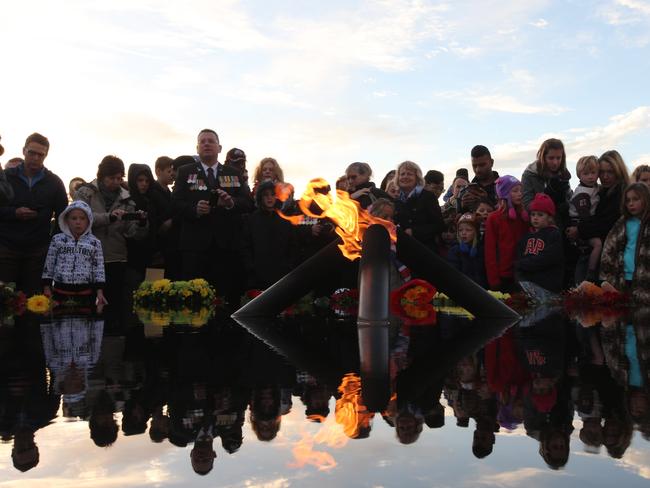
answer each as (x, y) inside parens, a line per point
(499, 230)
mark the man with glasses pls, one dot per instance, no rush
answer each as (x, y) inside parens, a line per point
(26, 220)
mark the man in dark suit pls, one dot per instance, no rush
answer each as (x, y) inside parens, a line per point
(209, 198)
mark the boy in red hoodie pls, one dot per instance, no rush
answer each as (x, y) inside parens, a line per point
(503, 229)
(540, 253)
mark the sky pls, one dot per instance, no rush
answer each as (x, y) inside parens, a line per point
(319, 85)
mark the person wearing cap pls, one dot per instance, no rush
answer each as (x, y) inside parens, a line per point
(467, 255)
(540, 253)
(503, 229)
(236, 158)
(25, 221)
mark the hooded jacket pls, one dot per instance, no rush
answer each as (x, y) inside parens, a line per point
(112, 234)
(502, 234)
(540, 258)
(140, 251)
(74, 264)
(555, 186)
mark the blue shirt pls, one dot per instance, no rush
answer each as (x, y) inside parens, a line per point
(634, 376)
(632, 226)
(35, 179)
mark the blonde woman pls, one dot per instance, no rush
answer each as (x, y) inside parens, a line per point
(614, 177)
(417, 211)
(269, 169)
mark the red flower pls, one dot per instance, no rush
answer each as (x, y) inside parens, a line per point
(412, 302)
(415, 291)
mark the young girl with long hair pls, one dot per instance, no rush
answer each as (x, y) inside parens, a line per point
(625, 264)
(548, 174)
(503, 229)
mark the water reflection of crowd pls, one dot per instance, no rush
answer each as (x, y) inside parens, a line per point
(198, 389)
(539, 376)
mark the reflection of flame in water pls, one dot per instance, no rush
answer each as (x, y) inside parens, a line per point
(350, 219)
(352, 421)
(350, 412)
(304, 453)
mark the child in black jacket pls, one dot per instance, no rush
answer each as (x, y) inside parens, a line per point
(467, 255)
(540, 253)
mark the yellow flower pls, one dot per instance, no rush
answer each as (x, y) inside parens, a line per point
(38, 304)
(160, 285)
(160, 318)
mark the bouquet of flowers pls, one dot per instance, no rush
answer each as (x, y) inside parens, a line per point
(12, 302)
(590, 304)
(304, 306)
(412, 302)
(174, 294)
(183, 316)
(345, 302)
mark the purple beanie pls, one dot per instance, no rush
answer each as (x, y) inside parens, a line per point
(504, 186)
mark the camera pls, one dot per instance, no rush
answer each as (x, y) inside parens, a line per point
(134, 216)
(214, 199)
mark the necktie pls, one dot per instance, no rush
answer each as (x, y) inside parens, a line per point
(211, 181)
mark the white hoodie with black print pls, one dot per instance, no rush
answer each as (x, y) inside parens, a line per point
(74, 264)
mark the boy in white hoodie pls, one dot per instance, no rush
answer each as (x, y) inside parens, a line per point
(74, 266)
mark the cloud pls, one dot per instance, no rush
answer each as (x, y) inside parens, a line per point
(515, 478)
(641, 159)
(540, 23)
(579, 142)
(631, 19)
(507, 103)
(498, 102)
(636, 461)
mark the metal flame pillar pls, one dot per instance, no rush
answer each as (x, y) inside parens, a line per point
(373, 320)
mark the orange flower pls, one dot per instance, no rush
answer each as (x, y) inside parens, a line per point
(38, 304)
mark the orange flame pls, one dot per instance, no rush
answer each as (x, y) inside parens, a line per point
(304, 454)
(350, 411)
(350, 219)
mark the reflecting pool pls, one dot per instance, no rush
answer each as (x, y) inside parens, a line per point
(202, 400)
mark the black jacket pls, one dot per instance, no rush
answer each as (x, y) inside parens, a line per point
(221, 226)
(471, 266)
(607, 213)
(6, 192)
(540, 259)
(366, 200)
(490, 189)
(47, 196)
(422, 214)
(140, 251)
(268, 248)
